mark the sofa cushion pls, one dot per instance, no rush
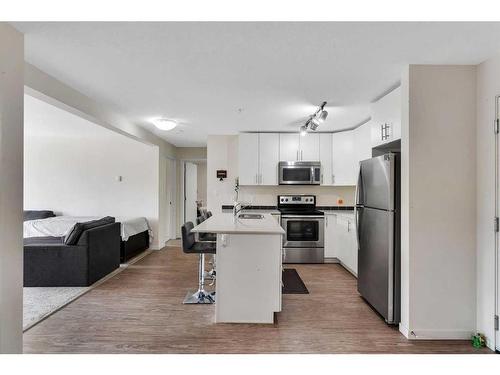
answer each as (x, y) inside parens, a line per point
(37, 215)
(43, 241)
(74, 235)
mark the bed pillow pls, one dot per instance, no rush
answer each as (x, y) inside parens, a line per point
(37, 215)
(75, 233)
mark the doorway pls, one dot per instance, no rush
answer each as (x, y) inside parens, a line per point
(190, 192)
(171, 222)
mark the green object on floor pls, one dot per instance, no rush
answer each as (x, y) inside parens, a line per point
(478, 341)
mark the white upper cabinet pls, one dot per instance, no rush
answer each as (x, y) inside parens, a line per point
(269, 156)
(248, 158)
(386, 118)
(309, 147)
(362, 138)
(258, 157)
(289, 146)
(339, 154)
(294, 147)
(326, 158)
(345, 159)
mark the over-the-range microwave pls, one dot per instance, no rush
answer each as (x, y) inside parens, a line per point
(299, 172)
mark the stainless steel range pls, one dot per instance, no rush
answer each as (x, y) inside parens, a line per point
(303, 241)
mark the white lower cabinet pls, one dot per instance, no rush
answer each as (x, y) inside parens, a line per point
(340, 240)
(331, 236)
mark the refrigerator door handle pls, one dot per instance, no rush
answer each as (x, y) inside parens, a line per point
(356, 203)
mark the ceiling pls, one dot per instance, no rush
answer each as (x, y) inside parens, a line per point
(221, 78)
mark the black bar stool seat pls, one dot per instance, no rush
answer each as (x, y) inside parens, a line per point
(191, 246)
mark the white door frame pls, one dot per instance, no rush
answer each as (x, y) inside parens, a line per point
(172, 198)
(182, 192)
(497, 214)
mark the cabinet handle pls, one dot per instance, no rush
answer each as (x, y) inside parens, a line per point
(297, 154)
(326, 221)
(321, 178)
(301, 155)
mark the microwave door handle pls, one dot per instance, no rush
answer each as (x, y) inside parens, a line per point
(312, 175)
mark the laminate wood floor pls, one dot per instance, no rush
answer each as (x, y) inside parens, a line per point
(140, 310)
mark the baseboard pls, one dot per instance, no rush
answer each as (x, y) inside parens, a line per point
(331, 261)
(430, 334)
(404, 330)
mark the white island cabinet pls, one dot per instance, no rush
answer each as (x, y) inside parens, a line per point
(248, 285)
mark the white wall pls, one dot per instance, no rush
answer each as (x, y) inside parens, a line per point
(405, 201)
(222, 153)
(11, 187)
(71, 166)
(488, 86)
(439, 202)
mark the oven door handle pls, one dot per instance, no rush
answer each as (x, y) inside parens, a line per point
(303, 217)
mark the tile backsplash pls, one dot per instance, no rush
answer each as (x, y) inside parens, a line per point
(325, 195)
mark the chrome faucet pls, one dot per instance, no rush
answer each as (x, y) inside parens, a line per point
(237, 208)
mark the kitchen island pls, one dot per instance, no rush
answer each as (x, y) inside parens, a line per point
(248, 285)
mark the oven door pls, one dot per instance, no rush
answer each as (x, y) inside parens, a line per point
(303, 231)
(296, 175)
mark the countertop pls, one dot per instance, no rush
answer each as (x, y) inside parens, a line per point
(272, 211)
(226, 223)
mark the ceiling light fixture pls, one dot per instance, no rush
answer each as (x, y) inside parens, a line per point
(164, 124)
(315, 119)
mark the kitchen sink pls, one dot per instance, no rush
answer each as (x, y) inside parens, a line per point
(250, 216)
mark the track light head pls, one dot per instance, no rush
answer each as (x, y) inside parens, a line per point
(323, 115)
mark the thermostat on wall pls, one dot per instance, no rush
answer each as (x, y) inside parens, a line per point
(221, 174)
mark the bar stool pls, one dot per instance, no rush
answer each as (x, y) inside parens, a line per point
(212, 237)
(208, 237)
(190, 246)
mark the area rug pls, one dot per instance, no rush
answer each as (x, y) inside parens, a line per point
(292, 283)
(40, 302)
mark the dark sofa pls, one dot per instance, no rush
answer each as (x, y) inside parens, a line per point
(89, 253)
(135, 245)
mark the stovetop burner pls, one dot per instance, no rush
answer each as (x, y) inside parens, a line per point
(298, 205)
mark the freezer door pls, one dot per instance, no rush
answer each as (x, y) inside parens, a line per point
(376, 259)
(376, 182)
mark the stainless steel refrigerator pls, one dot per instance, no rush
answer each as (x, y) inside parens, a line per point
(378, 217)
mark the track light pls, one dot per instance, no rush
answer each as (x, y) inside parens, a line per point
(315, 119)
(323, 115)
